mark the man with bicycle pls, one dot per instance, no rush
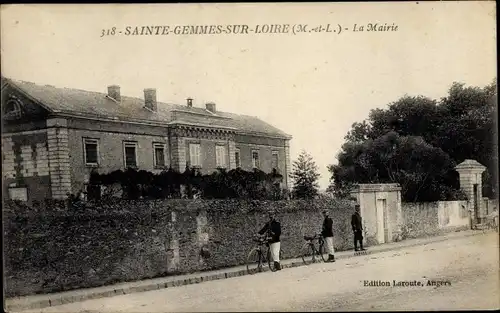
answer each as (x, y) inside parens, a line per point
(272, 230)
(327, 233)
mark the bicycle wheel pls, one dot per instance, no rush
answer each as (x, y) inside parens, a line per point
(322, 251)
(308, 254)
(254, 261)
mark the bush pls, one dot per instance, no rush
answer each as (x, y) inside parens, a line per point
(221, 184)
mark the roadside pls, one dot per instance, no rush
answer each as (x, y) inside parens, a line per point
(47, 300)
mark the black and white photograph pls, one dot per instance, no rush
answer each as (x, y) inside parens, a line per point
(250, 157)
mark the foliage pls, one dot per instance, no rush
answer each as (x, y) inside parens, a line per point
(221, 184)
(417, 142)
(305, 176)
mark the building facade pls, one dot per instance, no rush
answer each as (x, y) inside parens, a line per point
(53, 138)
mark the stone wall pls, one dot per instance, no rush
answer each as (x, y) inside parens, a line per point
(111, 136)
(266, 147)
(131, 240)
(111, 153)
(25, 164)
(452, 214)
(49, 162)
(265, 157)
(489, 205)
(38, 161)
(59, 164)
(434, 218)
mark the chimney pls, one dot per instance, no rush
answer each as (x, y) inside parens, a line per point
(210, 106)
(114, 92)
(150, 99)
(189, 102)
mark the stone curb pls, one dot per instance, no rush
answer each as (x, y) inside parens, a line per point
(59, 300)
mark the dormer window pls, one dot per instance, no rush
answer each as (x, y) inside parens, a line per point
(13, 109)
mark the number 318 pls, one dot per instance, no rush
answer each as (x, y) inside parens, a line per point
(108, 32)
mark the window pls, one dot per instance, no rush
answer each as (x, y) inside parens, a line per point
(13, 109)
(220, 156)
(195, 154)
(275, 161)
(159, 154)
(91, 151)
(237, 157)
(255, 159)
(130, 152)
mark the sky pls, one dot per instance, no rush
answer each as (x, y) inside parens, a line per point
(311, 85)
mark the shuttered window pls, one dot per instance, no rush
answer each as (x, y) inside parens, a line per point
(220, 156)
(195, 154)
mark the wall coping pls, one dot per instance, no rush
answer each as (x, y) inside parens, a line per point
(471, 166)
(376, 187)
(146, 207)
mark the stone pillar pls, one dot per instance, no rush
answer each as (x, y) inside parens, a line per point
(178, 152)
(399, 217)
(232, 151)
(202, 233)
(470, 172)
(8, 160)
(173, 257)
(58, 150)
(288, 164)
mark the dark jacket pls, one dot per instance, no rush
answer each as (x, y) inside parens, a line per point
(273, 230)
(356, 222)
(327, 230)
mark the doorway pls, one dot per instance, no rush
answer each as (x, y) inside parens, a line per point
(476, 203)
(382, 221)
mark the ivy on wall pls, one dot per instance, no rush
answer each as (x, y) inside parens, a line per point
(221, 184)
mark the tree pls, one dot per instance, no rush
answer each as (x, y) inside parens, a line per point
(420, 168)
(408, 116)
(468, 132)
(394, 144)
(359, 132)
(305, 176)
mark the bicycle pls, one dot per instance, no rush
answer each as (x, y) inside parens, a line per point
(309, 250)
(257, 257)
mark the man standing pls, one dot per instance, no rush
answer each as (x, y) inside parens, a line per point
(273, 231)
(357, 228)
(327, 233)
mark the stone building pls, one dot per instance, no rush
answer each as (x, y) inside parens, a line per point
(52, 138)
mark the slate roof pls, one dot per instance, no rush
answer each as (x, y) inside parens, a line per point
(96, 104)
